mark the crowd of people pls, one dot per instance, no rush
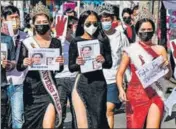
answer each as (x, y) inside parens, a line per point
(124, 47)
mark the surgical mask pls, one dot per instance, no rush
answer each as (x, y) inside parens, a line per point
(42, 29)
(127, 20)
(15, 24)
(91, 29)
(146, 36)
(107, 25)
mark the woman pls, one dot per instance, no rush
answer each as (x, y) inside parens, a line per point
(40, 107)
(89, 92)
(142, 104)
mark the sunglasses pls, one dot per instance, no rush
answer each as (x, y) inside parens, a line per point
(88, 24)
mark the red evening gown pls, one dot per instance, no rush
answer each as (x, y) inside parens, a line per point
(140, 100)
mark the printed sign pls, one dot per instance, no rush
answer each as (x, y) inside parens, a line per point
(44, 59)
(89, 50)
(151, 72)
(4, 52)
(7, 28)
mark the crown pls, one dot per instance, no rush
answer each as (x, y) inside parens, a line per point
(89, 6)
(40, 8)
(105, 8)
(98, 8)
(144, 14)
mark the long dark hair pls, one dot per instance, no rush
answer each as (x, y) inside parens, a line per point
(140, 22)
(99, 34)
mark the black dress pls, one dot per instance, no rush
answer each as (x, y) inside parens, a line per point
(36, 98)
(91, 87)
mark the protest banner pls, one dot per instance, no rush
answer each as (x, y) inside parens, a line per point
(4, 52)
(44, 59)
(151, 72)
(89, 50)
(61, 26)
(69, 5)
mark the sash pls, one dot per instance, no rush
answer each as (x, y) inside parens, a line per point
(47, 81)
(139, 55)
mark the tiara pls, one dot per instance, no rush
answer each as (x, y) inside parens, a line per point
(40, 8)
(144, 14)
(98, 8)
(89, 7)
(105, 8)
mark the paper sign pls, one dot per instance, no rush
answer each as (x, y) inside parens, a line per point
(61, 25)
(151, 72)
(4, 52)
(7, 28)
(69, 5)
(44, 59)
(89, 50)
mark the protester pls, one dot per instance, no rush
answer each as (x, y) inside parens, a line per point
(70, 12)
(142, 104)
(117, 41)
(40, 108)
(89, 92)
(135, 12)
(65, 80)
(15, 78)
(127, 26)
(7, 64)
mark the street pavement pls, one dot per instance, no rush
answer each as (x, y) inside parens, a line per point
(120, 119)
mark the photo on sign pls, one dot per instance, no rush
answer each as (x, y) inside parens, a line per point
(38, 59)
(86, 51)
(50, 61)
(3, 55)
(97, 65)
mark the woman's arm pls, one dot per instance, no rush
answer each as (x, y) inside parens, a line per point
(73, 54)
(120, 73)
(166, 62)
(23, 54)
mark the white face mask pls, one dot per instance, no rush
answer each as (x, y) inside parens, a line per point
(91, 29)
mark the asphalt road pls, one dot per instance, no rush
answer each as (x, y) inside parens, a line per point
(120, 120)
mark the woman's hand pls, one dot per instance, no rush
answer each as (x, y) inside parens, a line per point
(100, 59)
(60, 59)
(27, 62)
(80, 60)
(165, 63)
(122, 95)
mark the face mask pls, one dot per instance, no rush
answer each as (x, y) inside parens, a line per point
(91, 29)
(127, 20)
(42, 29)
(15, 24)
(106, 25)
(146, 36)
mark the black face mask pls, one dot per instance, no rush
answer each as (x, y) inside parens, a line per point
(146, 36)
(127, 20)
(42, 29)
